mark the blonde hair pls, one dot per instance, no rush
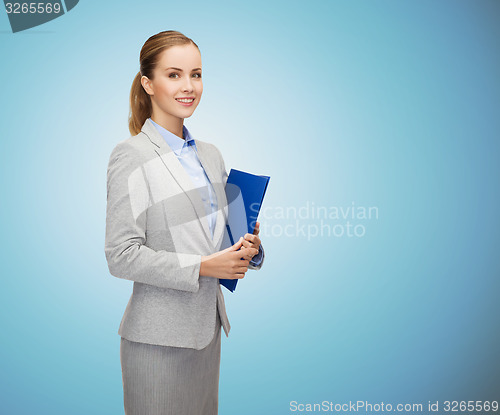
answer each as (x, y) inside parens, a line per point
(140, 101)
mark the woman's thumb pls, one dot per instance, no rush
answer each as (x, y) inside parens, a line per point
(238, 244)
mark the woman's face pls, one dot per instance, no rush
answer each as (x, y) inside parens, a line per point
(176, 86)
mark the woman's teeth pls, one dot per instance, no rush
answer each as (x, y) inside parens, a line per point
(186, 100)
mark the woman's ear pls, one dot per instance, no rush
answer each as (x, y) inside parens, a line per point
(146, 84)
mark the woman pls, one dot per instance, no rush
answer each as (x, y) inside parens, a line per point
(165, 220)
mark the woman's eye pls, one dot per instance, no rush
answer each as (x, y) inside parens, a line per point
(197, 75)
(173, 75)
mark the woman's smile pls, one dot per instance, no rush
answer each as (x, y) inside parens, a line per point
(187, 102)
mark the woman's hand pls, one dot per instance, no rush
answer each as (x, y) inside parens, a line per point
(253, 241)
(228, 263)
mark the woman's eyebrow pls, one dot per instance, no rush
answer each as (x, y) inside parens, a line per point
(180, 70)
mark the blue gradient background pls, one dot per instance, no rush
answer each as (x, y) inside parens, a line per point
(392, 104)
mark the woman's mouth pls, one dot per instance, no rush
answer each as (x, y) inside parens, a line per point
(187, 102)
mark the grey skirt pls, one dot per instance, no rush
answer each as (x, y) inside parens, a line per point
(165, 380)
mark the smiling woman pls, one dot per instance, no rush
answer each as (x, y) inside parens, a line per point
(165, 222)
(158, 83)
(175, 91)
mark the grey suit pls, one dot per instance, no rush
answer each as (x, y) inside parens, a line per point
(156, 233)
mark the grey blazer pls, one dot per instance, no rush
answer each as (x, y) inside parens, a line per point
(156, 233)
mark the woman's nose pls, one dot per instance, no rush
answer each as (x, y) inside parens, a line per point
(188, 86)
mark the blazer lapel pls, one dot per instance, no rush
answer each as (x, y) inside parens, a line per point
(220, 193)
(178, 172)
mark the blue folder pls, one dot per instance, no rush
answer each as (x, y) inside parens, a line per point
(244, 193)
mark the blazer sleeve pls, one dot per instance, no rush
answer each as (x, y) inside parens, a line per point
(258, 260)
(126, 253)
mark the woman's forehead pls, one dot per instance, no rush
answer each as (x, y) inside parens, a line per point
(185, 57)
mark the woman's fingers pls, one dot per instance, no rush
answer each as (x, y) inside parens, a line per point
(256, 229)
(253, 239)
(245, 253)
(239, 276)
(240, 255)
(248, 244)
(241, 270)
(237, 245)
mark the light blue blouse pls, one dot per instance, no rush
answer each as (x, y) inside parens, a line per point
(186, 153)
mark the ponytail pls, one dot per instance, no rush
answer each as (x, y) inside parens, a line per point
(140, 106)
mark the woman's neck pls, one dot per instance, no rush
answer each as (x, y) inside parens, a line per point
(172, 124)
